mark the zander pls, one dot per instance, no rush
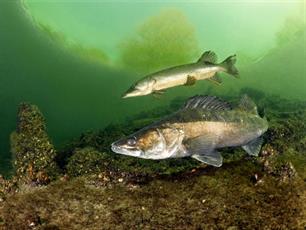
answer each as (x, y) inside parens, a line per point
(205, 68)
(202, 126)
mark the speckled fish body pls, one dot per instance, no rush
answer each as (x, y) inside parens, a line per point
(197, 130)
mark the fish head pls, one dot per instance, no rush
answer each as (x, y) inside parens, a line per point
(140, 88)
(148, 144)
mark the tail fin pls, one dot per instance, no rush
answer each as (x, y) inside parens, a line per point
(228, 64)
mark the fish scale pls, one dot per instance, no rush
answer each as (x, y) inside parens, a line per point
(203, 125)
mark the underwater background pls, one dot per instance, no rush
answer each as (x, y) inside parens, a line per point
(74, 59)
(64, 66)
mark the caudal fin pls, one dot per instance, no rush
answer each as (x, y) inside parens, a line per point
(229, 65)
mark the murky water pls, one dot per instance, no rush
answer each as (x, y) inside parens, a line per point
(74, 59)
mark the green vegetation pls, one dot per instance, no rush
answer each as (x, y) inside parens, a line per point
(99, 189)
(164, 40)
(33, 153)
(85, 185)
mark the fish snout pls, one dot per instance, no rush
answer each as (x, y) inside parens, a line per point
(131, 93)
(126, 95)
(115, 148)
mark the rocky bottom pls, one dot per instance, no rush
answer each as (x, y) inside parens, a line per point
(84, 186)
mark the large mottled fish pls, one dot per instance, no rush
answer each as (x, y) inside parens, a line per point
(205, 68)
(202, 126)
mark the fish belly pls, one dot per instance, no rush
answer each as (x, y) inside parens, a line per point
(170, 81)
(205, 73)
(180, 77)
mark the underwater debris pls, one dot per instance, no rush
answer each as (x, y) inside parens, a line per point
(287, 172)
(277, 165)
(34, 155)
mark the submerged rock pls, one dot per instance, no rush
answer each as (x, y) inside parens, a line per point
(34, 155)
(86, 161)
(218, 200)
(97, 189)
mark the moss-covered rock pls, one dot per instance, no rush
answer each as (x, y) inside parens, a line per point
(86, 161)
(209, 198)
(104, 190)
(34, 154)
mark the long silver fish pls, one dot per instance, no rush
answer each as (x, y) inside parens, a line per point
(204, 68)
(204, 124)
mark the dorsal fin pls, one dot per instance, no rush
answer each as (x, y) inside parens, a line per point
(206, 102)
(209, 57)
(246, 104)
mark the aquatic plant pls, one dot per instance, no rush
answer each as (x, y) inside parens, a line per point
(208, 199)
(109, 190)
(33, 152)
(164, 40)
(86, 161)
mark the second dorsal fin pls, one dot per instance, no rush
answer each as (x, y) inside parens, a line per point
(206, 102)
(246, 104)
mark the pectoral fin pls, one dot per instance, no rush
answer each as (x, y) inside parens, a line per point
(203, 149)
(213, 158)
(254, 146)
(190, 81)
(158, 93)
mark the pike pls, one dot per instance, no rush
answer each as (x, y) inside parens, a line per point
(203, 125)
(205, 68)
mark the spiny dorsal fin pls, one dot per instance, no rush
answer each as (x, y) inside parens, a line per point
(246, 104)
(206, 102)
(209, 57)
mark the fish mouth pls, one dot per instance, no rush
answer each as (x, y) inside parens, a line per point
(126, 95)
(135, 152)
(132, 92)
(115, 148)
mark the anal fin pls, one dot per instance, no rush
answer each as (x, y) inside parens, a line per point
(253, 147)
(213, 158)
(215, 79)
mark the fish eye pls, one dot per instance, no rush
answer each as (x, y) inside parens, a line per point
(131, 141)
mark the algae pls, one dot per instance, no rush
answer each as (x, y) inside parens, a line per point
(96, 189)
(33, 153)
(164, 40)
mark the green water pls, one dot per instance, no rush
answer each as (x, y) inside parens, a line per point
(74, 59)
